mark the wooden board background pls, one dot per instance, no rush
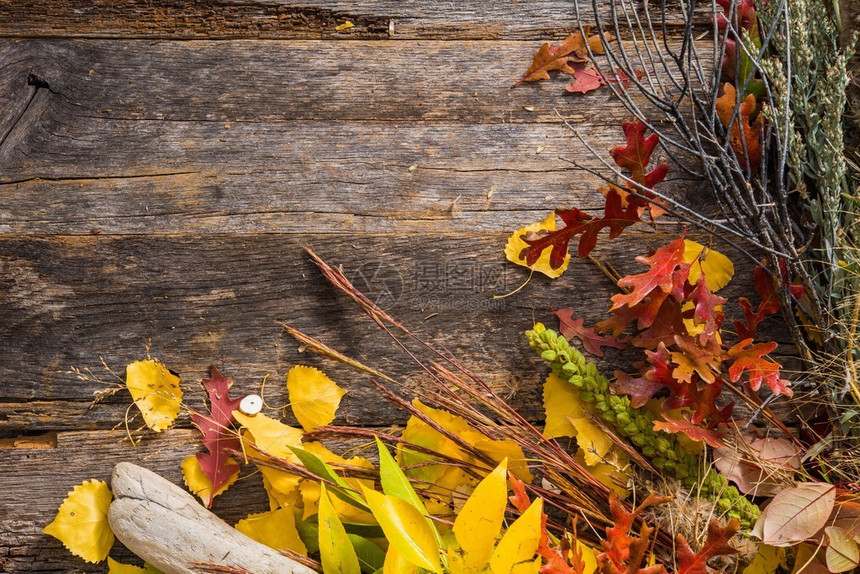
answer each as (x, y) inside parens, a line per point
(163, 163)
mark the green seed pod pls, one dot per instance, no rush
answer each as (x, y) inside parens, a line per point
(601, 405)
(639, 440)
(623, 418)
(548, 355)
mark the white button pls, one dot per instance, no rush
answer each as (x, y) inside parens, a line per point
(251, 405)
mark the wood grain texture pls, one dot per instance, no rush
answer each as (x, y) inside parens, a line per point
(468, 19)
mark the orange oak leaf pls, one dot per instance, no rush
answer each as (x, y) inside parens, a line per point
(660, 275)
(745, 133)
(694, 358)
(591, 341)
(717, 544)
(624, 553)
(750, 358)
(215, 426)
(551, 58)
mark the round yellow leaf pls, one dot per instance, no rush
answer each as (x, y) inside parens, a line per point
(516, 245)
(82, 524)
(115, 567)
(718, 268)
(314, 397)
(155, 391)
(276, 529)
(200, 484)
(270, 436)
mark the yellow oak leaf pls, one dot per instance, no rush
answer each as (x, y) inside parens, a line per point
(314, 397)
(276, 529)
(82, 524)
(155, 391)
(516, 245)
(269, 435)
(199, 483)
(718, 268)
(519, 544)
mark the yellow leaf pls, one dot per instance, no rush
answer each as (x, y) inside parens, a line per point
(516, 244)
(396, 564)
(276, 529)
(561, 403)
(310, 489)
(768, 560)
(200, 484)
(519, 544)
(314, 397)
(481, 517)
(82, 524)
(270, 436)
(115, 567)
(567, 416)
(589, 559)
(718, 268)
(155, 391)
(609, 472)
(336, 551)
(282, 487)
(406, 528)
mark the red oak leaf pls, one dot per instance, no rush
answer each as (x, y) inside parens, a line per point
(218, 440)
(660, 275)
(705, 310)
(769, 305)
(717, 544)
(616, 218)
(591, 341)
(637, 153)
(745, 14)
(520, 498)
(640, 389)
(757, 367)
(624, 553)
(697, 433)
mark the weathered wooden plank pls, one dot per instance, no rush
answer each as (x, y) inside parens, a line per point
(37, 480)
(271, 81)
(196, 300)
(469, 19)
(71, 174)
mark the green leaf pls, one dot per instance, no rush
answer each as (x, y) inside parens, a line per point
(336, 551)
(370, 556)
(320, 468)
(481, 517)
(406, 529)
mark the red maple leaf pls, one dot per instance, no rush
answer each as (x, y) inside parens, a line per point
(757, 367)
(697, 433)
(591, 341)
(717, 544)
(218, 439)
(660, 275)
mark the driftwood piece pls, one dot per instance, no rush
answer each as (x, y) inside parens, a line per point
(168, 528)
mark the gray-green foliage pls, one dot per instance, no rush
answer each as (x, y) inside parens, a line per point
(806, 72)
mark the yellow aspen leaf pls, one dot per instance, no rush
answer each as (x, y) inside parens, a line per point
(500, 450)
(718, 268)
(282, 486)
(199, 483)
(608, 472)
(115, 567)
(481, 517)
(589, 558)
(336, 551)
(155, 391)
(567, 416)
(270, 436)
(406, 528)
(768, 560)
(516, 245)
(276, 529)
(519, 544)
(81, 523)
(314, 397)
(310, 489)
(395, 563)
